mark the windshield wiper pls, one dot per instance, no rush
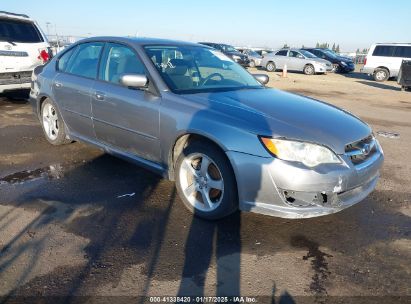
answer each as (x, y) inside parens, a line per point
(8, 41)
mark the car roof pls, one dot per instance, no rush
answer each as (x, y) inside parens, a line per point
(15, 16)
(138, 40)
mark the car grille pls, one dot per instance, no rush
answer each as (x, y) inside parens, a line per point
(361, 150)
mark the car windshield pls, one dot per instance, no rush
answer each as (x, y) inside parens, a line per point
(307, 54)
(195, 69)
(330, 54)
(253, 53)
(228, 48)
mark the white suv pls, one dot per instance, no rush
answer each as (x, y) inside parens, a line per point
(23, 46)
(384, 59)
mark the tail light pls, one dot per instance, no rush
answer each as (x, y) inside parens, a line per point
(365, 60)
(44, 55)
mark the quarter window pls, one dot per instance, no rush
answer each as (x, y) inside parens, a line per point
(85, 60)
(282, 53)
(64, 60)
(383, 50)
(403, 51)
(119, 60)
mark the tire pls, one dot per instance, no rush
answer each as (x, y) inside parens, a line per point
(309, 69)
(270, 67)
(194, 181)
(381, 74)
(252, 64)
(52, 123)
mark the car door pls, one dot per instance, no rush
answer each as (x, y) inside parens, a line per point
(77, 71)
(281, 59)
(296, 61)
(124, 118)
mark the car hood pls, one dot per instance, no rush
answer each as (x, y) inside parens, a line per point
(236, 54)
(277, 113)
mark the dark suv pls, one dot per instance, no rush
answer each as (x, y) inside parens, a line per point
(341, 64)
(230, 51)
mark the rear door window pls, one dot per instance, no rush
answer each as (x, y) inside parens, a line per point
(19, 31)
(85, 60)
(384, 50)
(403, 51)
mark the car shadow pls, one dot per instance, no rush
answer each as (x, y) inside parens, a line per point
(17, 97)
(380, 85)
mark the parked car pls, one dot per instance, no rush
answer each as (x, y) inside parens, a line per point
(191, 114)
(296, 60)
(384, 59)
(253, 57)
(230, 51)
(341, 64)
(23, 46)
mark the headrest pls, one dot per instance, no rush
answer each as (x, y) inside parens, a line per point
(177, 67)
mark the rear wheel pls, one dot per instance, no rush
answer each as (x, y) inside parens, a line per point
(381, 74)
(53, 124)
(309, 69)
(205, 181)
(271, 66)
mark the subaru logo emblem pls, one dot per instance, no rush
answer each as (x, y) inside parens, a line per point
(366, 149)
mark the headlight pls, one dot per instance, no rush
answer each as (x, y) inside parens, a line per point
(343, 63)
(309, 154)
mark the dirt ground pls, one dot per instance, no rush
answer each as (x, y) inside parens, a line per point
(67, 230)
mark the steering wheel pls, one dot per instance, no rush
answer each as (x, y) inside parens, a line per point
(212, 76)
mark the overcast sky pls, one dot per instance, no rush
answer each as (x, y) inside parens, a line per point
(351, 24)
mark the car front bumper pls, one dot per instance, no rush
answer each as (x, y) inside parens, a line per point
(289, 190)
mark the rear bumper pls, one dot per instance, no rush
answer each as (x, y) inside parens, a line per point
(289, 190)
(14, 87)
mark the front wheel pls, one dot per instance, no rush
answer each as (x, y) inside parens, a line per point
(205, 181)
(252, 64)
(309, 69)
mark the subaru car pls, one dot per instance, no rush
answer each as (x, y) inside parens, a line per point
(189, 113)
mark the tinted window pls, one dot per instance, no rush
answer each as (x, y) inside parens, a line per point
(85, 60)
(19, 31)
(282, 53)
(119, 60)
(383, 50)
(63, 62)
(403, 51)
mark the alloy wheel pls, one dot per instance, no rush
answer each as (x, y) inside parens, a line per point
(50, 121)
(202, 182)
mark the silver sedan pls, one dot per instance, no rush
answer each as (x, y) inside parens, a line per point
(191, 114)
(295, 60)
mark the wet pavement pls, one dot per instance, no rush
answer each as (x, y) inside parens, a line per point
(68, 227)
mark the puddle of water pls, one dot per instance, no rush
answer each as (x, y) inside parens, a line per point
(50, 172)
(388, 134)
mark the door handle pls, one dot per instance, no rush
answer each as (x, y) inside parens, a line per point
(99, 95)
(58, 84)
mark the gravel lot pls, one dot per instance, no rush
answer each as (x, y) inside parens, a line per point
(66, 229)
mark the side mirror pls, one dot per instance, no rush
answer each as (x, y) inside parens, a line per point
(262, 78)
(137, 81)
